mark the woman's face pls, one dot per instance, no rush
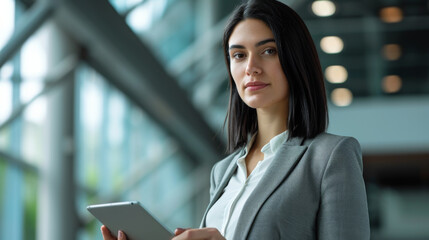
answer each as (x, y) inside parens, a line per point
(255, 65)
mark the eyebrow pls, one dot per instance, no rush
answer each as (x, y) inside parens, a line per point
(256, 45)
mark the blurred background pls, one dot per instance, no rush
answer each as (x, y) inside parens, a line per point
(116, 100)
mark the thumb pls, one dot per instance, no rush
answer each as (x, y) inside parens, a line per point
(179, 231)
(121, 236)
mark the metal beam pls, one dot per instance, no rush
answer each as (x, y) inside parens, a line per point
(56, 77)
(132, 8)
(26, 3)
(115, 51)
(27, 25)
(198, 48)
(18, 162)
(56, 189)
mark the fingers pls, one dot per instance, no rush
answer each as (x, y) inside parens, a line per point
(108, 236)
(179, 231)
(121, 236)
(106, 233)
(199, 234)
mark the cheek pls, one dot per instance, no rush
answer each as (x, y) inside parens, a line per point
(238, 82)
(238, 68)
(238, 88)
(234, 72)
(237, 76)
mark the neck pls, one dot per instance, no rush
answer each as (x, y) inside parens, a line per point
(271, 122)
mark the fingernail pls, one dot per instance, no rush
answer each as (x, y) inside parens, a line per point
(120, 235)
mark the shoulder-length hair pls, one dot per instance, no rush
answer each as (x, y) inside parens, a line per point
(308, 111)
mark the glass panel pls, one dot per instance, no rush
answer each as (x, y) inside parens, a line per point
(32, 63)
(18, 199)
(30, 205)
(2, 184)
(11, 209)
(33, 123)
(90, 105)
(18, 202)
(123, 5)
(34, 58)
(5, 99)
(6, 71)
(142, 17)
(123, 154)
(183, 217)
(167, 26)
(6, 102)
(170, 29)
(7, 16)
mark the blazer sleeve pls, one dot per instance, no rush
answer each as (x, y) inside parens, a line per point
(343, 212)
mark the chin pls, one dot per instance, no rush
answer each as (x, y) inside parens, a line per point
(255, 104)
(264, 103)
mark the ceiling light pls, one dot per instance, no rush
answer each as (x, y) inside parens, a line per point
(336, 74)
(392, 83)
(332, 44)
(323, 8)
(341, 97)
(392, 52)
(391, 14)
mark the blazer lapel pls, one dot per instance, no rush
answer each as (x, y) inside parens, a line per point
(283, 163)
(232, 167)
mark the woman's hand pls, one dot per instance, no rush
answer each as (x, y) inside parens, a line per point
(198, 234)
(108, 236)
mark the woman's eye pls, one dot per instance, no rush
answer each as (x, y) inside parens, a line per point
(238, 55)
(270, 51)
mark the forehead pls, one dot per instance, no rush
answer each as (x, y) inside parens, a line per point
(250, 31)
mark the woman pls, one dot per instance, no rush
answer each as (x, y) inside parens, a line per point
(285, 178)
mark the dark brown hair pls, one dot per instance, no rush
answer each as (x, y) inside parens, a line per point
(308, 111)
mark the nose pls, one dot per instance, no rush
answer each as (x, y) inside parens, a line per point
(253, 67)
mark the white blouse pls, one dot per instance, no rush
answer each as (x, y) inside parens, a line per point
(224, 214)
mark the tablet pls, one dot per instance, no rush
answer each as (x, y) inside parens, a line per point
(131, 218)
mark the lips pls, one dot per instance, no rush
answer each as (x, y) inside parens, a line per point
(253, 86)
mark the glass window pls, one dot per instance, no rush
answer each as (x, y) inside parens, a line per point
(124, 155)
(7, 22)
(5, 99)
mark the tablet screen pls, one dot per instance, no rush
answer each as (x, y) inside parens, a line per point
(131, 218)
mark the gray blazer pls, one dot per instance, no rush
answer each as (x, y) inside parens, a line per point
(313, 189)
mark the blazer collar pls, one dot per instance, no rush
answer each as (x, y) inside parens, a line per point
(230, 170)
(283, 163)
(232, 167)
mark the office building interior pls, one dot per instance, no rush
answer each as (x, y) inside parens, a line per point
(117, 100)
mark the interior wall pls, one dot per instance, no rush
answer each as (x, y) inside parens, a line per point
(385, 125)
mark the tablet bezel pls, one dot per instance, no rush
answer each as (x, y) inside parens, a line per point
(132, 218)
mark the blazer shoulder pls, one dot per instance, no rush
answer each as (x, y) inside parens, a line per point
(331, 141)
(325, 145)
